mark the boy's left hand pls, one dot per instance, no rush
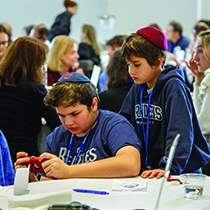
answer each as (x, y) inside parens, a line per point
(53, 166)
(152, 173)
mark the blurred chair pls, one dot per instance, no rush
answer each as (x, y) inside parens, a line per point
(95, 75)
(87, 66)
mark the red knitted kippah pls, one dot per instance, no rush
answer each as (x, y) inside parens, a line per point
(155, 36)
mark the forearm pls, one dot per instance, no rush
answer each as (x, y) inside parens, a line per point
(119, 166)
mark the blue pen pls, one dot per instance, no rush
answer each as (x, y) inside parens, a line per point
(91, 191)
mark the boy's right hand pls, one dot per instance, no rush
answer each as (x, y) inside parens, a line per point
(21, 162)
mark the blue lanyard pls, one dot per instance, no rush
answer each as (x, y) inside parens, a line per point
(82, 145)
(148, 112)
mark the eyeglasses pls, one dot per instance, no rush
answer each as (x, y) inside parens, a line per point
(4, 43)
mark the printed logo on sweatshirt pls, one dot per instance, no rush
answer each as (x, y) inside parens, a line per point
(88, 156)
(155, 112)
(165, 159)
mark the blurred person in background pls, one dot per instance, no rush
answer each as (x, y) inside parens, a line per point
(9, 30)
(41, 32)
(119, 83)
(89, 47)
(4, 39)
(7, 174)
(189, 76)
(199, 64)
(22, 93)
(62, 24)
(27, 30)
(62, 58)
(175, 37)
(113, 44)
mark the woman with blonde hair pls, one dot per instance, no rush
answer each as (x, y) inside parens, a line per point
(89, 47)
(200, 66)
(22, 93)
(62, 58)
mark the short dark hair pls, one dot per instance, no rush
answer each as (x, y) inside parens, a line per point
(116, 40)
(69, 3)
(69, 94)
(42, 29)
(176, 26)
(138, 46)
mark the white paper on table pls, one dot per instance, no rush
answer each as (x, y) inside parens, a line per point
(40, 201)
(5, 191)
(4, 203)
(21, 180)
(128, 188)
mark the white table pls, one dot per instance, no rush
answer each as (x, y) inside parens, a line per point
(172, 195)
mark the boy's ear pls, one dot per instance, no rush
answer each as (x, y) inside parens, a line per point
(94, 106)
(159, 62)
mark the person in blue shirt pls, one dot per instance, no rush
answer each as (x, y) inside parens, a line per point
(7, 174)
(90, 143)
(175, 37)
(159, 106)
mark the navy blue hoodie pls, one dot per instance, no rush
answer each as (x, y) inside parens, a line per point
(171, 112)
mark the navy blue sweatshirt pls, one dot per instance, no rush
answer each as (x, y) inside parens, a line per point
(171, 112)
(61, 26)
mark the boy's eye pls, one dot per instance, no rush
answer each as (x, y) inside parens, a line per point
(74, 114)
(136, 65)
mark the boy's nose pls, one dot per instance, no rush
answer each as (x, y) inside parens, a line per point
(130, 70)
(68, 121)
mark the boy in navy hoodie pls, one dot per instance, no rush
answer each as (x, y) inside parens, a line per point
(171, 110)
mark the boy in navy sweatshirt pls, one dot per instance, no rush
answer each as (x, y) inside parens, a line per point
(90, 143)
(159, 106)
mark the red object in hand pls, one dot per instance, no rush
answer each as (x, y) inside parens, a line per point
(35, 165)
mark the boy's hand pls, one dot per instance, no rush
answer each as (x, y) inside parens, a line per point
(152, 173)
(53, 166)
(22, 160)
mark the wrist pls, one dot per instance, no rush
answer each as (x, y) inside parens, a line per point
(197, 81)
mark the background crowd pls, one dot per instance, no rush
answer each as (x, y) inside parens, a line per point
(31, 64)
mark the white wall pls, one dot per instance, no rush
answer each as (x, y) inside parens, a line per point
(140, 13)
(19, 13)
(130, 14)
